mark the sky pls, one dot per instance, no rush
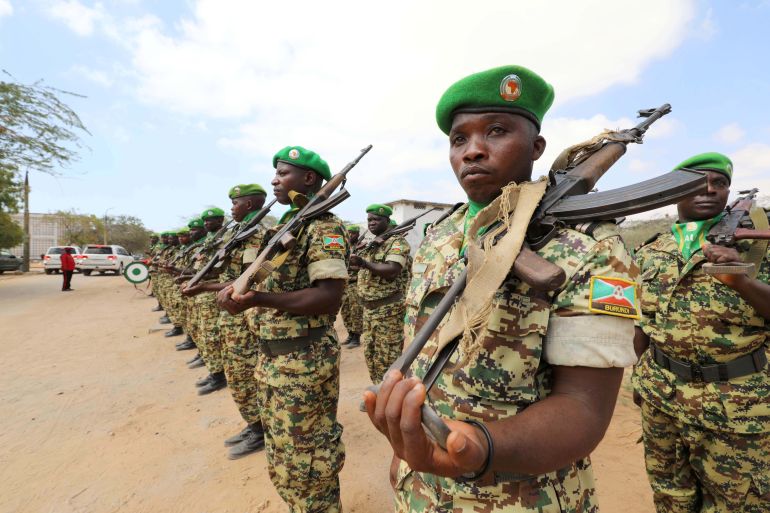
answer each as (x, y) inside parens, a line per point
(184, 99)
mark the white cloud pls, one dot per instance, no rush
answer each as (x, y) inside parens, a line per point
(93, 75)
(6, 8)
(731, 133)
(79, 18)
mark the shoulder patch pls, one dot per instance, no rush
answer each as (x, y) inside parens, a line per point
(613, 296)
(333, 242)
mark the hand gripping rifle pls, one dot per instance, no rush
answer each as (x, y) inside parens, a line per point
(205, 245)
(399, 229)
(742, 220)
(284, 239)
(244, 233)
(573, 175)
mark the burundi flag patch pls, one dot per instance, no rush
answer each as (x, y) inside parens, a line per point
(333, 242)
(613, 296)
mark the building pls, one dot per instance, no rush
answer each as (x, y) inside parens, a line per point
(45, 231)
(404, 209)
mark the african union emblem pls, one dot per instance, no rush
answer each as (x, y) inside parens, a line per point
(613, 296)
(136, 272)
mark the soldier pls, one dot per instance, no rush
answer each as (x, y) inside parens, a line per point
(156, 245)
(352, 314)
(198, 235)
(536, 360)
(165, 280)
(208, 341)
(382, 282)
(298, 365)
(240, 348)
(703, 376)
(176, 311)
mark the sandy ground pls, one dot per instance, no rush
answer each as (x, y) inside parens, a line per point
(101, 415)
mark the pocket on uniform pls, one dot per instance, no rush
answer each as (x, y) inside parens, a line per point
(748, 398)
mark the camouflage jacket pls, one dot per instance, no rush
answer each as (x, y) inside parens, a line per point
(242, 255)
(371, 287)
(693, 317)
(511, 371)
(321, 252)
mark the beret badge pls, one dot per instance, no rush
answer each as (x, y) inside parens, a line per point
(510, 88)
(294, 154)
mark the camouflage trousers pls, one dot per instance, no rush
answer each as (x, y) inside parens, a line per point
(240, 358)
(176, 312)
(207, 332)
(696, 470)
(569, 490)
(352, 310)
(298, 395)
(383, 337)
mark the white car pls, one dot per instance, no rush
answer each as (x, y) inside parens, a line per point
(52, 258)
(102, 258)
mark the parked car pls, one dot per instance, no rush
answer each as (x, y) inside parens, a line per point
(8, 261)
(103, 258)
(52, 258)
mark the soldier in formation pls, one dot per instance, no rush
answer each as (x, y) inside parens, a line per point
(352, 313)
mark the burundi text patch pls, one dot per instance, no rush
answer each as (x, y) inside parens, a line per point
(613, 296)
(334, 242)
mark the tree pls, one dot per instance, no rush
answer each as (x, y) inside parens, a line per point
(129, 232)
(10, 232)
(10, 191)
(80, 229)
(38, 132)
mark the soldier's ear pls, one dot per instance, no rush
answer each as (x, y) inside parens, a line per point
(538, 147)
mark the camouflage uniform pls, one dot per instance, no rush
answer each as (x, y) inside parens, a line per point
(155, 252)
(352, 310)
(163, 278)
(383, 306)
(177, 312)
(707, 445)
(526, 333)
(299, 391)
(239, 346)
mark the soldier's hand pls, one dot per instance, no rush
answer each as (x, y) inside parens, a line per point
(722, 255)
(356, 261)
(395, 412)
(226, 302)
(192, 291)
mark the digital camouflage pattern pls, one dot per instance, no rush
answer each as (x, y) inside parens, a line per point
(507, 374)
(240, 348)
(352, 310)
(298, 392)
(383, 325)
(707, 445)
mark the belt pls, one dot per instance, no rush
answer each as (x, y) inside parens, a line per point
(742, 366)
(282, 346)
(396, 296)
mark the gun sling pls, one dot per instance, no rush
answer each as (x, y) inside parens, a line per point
(691, 372)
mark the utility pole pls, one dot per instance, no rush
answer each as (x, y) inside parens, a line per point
(25, 255)
(105, 225)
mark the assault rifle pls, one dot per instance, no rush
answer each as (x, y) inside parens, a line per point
(206, 244)
(284, 239)
(244, 233)
(566, 201)
(739, 222)
(399, 229)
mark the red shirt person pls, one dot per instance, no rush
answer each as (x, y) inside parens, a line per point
(67, 268)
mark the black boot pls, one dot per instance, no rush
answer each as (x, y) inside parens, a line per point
(196, 357)
(217, 382)
(197, 362)
(185, 346)
(175, 331)
(240, 437)
(354, 340)
(157, 308)
(254, 441)
(164, 320)
(203, 381)
(187, 339)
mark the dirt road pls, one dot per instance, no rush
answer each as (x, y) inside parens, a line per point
(100, 416)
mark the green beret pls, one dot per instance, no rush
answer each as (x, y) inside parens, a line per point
(154, 234)
(212, 212)
(183, 231)
(164, 234)
(379, 209)
(353, 228)
(513, 89)
(710, 161)
(300, 157)
(171, 233)
(195, 223)
(248, 189)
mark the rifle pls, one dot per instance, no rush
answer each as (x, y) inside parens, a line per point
(244, 233)
(736, 224)
(399, 229)
(205, 246)
(285, 238)
(574, 173)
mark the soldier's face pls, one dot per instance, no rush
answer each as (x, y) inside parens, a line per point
(292, 178)
(239, 209)
(710, 203)
(153, 240)
(213, 224)
(489, 150)
(164, 239)
(173, 240)
(197, 233)
(184, 239)
(377, 224)
(354, 238)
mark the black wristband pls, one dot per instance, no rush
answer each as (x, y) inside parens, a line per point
(490, 453)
